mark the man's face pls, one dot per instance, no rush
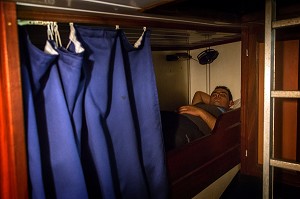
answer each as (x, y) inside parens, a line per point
(220, 97)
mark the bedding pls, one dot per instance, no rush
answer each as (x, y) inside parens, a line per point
(236, 104)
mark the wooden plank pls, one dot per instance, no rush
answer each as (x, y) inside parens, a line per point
(13, 170)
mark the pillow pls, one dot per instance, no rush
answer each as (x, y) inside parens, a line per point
(237, 104)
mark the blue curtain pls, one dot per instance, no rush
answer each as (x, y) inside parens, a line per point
(92, 118)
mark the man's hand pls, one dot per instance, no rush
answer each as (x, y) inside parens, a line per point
(189, 109)
(209, 119)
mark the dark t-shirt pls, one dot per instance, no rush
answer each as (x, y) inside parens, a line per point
(179, 129)
(212, 109)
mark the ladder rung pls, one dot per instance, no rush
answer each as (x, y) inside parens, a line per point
(285, 164)
(286, 94)
(286, 22)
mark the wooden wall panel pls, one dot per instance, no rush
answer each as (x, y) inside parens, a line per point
(13, 170)
(287, 59)
(261, 55)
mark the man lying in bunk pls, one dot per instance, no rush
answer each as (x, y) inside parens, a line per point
(193, 121)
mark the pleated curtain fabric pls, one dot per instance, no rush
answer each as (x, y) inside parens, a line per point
(62, 172)
(93, 119)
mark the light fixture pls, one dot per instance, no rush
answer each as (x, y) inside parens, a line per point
(207, 56)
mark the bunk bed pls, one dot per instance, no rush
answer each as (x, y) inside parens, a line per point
(190, 168)
(194, 166)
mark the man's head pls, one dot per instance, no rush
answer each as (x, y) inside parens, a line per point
(221, 96)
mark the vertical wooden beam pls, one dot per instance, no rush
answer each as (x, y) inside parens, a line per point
(298, 114)
(13, 169)
(244, 93)
(251, 36)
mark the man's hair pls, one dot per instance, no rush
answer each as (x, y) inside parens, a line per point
(227, 89)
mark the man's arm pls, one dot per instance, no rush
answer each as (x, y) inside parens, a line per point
(208, 118)
(201, 97)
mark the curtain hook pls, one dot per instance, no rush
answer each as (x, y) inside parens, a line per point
(139, 41)
(57, 35)
(49, 32)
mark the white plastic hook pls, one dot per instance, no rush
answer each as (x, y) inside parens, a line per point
(57, 35)
(139, 41)
(49, 31)
(73, 38)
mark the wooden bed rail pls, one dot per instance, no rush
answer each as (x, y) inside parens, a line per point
(193, 167)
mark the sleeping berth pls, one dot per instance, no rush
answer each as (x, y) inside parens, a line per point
(194, 166)
(191, 167)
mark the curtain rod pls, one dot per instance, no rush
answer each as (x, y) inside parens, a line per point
(129, 15)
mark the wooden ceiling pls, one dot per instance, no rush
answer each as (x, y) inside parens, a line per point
(227, 11)
(175, 24)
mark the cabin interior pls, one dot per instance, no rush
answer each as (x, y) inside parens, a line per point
(181, 29)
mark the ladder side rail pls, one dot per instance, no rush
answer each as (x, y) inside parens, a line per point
(268, 103)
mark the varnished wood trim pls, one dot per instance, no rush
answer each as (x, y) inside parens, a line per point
(13, 169)
(251, 35)
(66, 16)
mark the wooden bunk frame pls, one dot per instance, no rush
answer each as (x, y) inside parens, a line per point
(12, 142)
(192, 167)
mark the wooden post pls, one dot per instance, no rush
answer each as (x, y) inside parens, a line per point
(13, 167)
